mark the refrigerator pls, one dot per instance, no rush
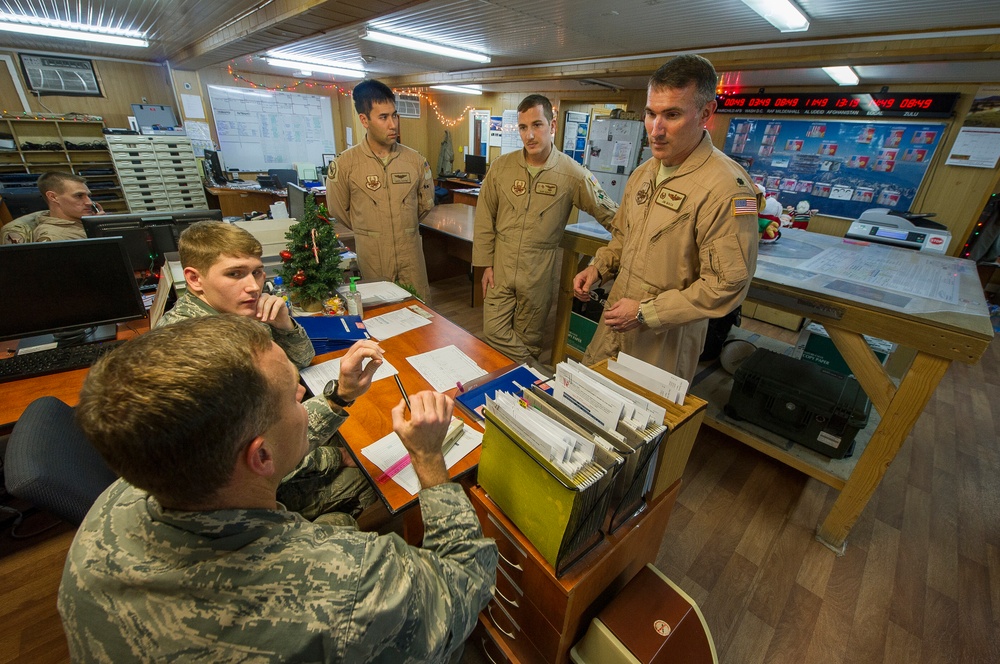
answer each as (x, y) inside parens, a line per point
(614, 151)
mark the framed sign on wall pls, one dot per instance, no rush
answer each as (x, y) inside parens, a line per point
(57, 75)
(841, 167)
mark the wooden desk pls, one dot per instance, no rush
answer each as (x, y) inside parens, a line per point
(16, 395)
(447, 233)
(939, 338)
(371, 418)
(236, 201)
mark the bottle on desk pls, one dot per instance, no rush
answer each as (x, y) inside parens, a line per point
(354, 306)
(279, 290)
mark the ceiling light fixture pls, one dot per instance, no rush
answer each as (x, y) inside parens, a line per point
(601, 84)
(463, 89)
(842, 75)
(426, 47)
(45, 27)
(782, 14)
(313, 65)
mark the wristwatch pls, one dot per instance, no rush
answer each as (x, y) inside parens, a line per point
(639, 317)
(330, 393)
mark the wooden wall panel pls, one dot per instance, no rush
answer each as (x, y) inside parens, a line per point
(123, 84)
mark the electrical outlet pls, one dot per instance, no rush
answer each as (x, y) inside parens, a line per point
(144, 101)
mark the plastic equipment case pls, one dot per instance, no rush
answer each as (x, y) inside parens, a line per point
(807, 404)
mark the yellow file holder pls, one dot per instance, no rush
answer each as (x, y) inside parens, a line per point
(559, 518)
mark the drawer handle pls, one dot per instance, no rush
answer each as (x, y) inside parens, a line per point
(486, 652)
(509, 635)
(497, 593)
(514, 565)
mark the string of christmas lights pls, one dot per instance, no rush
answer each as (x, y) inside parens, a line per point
(442, 118)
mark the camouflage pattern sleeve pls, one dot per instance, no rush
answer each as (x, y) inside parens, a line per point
(323, 420)
(296, 344)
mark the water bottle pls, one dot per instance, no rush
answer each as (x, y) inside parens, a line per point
(278, 289)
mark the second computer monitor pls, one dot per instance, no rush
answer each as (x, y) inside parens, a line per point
(296, 201)
(475, 166)
(214, 167)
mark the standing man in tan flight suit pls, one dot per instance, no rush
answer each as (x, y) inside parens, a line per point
(684, 243)
(381, 190)
(524, 203)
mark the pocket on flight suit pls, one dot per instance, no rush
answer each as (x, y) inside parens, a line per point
(725, 256)
(667, 246)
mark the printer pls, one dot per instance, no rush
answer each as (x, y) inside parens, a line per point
(900, 229)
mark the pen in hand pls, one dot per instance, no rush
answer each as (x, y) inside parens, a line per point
(399, 383)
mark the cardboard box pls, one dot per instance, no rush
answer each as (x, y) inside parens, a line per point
(581, 331)
(816, 346)
(773, 316)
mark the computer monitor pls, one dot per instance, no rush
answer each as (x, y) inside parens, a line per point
(215, 171)
(475, 165)
(296, 201)
(67, 289)
(282, 176)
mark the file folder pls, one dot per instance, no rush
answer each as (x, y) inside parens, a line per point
(330, 333)
(561, 515)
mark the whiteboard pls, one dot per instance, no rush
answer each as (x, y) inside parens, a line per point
(261, 129)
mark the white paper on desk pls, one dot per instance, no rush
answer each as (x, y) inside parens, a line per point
(445, 367)
(388, 450)
(318, 375)
(394, 323)
(378, 292)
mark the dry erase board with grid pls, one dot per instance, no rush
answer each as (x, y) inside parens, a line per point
(262, 129)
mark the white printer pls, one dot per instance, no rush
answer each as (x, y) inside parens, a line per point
(900, 229)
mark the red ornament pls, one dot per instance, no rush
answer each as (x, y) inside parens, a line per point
(285, 254)
(299, 278)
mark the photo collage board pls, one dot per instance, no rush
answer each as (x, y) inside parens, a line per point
(841, 168)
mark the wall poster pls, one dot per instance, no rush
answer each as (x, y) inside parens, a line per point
(841, 168)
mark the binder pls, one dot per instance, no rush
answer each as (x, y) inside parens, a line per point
(473, 399)
(330, 333)
(561, 515)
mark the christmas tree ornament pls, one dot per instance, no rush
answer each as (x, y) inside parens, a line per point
(285, 254)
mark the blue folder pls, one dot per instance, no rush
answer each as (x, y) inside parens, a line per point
(474, 397)
(330, 333)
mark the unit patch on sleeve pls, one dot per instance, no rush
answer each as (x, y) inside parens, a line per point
(401, 178)
(331, 171)
(744, 205)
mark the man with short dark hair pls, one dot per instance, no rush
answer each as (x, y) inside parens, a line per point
(684, 243)
(190, 556)
(68, 198)
(524, 203)
(225, 275)
(381, 190)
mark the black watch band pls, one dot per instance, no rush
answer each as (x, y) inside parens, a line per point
(330, 393)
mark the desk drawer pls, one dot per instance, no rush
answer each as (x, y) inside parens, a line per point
(513, 559)
(508, 632)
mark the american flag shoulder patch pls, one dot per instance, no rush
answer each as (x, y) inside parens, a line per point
(744, 205)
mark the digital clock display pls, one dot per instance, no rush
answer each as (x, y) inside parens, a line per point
(885, 104)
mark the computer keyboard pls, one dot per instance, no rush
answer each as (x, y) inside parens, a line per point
(54, 360)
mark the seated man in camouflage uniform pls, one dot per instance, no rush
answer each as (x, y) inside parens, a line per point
(225, 274)
(68, 198)
(190, 557)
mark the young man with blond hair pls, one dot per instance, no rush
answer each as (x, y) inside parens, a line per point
(225, 275)
(190, 556)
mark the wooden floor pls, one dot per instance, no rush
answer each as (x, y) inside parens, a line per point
(920, 581)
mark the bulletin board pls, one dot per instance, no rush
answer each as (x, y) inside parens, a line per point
(842, 168)
(262, 129)
(575, 135)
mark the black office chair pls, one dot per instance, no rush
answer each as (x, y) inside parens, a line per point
(282, 176)
(23, 200)
(51, 464)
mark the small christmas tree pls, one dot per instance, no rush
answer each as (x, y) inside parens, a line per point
(311, 263)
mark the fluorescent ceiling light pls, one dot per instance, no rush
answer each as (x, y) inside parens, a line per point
(44, 27)
(782, 14)
(464, 89)
(314, 65)
(426, 47)
(842, 75)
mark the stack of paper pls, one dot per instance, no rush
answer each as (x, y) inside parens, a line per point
(395, 323)
(378, 292)
(653, 378)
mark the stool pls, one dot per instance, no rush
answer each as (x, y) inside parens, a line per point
(651, 621)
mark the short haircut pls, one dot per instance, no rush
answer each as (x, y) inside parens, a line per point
(203, 242)
(369, 92)
(684, 70)
(531, 101)
(54, 181)
(171, 410)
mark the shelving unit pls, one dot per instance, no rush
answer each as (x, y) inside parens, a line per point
(67, 145)
(158, 173)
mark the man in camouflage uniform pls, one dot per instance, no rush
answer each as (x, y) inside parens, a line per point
(190, 557)
(684, 242)
(68, 198)
(224, 274)
(381, 190)
(524, 204)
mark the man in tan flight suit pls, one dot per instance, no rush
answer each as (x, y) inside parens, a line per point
(381, 190)
(524, 203)
(684, 244)
(68, 198)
